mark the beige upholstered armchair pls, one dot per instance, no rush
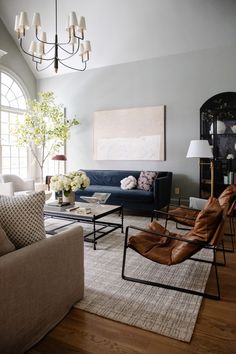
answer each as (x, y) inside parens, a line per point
(13, 184)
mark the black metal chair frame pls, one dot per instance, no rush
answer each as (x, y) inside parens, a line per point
(167, 213)
(167, 286)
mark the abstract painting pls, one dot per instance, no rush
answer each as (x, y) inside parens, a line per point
(130, 134)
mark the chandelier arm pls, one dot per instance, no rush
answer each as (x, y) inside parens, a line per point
(33, 56)
(80, 38)
(43, 68)
(40, 40)
(70, 67)
(50, 50)
(71, 54)
(53, 43)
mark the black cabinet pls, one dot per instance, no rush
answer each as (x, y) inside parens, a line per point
(218, 126)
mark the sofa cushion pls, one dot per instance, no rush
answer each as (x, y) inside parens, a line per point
(146, 179)
(109, 177)
(6, 246)
(22, 218)
(119, 194)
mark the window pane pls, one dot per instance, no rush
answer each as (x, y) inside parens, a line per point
(5, 139)
(6, 171)
(4, 117)
(14, 103)
(10, 96)
(5, 79)
(4, 128)
(12, 140)
(6, 151)
(14, 151)
(14, 162)
(17, 90)
(13, 159)
(22, 103)
(20, 118)
(23, 172)
(23, 163)
(23, 152)
(6, 163)
(4, 89)
(4, 101)
(15, 171)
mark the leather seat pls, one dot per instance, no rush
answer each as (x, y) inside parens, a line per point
(167, 248)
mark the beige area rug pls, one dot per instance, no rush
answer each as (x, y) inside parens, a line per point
(166, 312)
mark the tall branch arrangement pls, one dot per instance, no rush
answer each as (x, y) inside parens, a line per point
(44, 128)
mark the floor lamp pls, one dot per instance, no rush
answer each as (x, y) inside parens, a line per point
(202, 149)
(59, 158)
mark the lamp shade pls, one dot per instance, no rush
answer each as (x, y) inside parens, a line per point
(59, 158)
(200, 149)
(36, 20)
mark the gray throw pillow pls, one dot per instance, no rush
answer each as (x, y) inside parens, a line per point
(6, 246)
(22, 218)
(146, 179)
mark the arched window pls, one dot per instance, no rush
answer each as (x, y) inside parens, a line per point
(13, 159)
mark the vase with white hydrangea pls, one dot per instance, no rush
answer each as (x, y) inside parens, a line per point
(69, 184)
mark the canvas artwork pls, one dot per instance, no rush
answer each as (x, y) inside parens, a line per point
(130, 134)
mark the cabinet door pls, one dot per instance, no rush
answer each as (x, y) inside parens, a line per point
(218, 126)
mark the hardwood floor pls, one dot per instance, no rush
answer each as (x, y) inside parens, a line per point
(215, 332)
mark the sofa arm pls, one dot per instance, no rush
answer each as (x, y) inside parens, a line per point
(29, 184)
(39, 284)
(6, 189)
(197, 203)
(162, 191)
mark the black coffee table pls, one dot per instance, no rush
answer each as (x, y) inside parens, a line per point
(98, 212)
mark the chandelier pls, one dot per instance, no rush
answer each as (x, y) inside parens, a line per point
(43, 52)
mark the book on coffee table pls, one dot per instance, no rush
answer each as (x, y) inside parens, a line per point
(96, 198)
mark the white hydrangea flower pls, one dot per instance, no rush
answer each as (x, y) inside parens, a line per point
(70, 182)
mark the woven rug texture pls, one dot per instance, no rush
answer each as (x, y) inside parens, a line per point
(166, 312)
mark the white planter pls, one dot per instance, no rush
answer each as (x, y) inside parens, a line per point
(68, 199)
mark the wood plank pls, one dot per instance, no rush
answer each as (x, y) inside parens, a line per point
(85, 333)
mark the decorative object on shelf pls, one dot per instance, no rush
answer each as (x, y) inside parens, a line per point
(233, 128)
(230, 157)
(61, 50)
(44, 128)
(202, 149)
(220, 127)
(69, 183)
(59, 158)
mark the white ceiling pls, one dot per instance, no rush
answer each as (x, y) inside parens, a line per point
(123, 31)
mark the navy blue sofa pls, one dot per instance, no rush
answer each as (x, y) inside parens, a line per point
(108, 181)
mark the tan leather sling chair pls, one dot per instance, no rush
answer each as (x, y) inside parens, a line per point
(167, 248)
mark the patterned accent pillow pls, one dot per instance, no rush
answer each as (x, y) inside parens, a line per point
(22, 218)
(6, 246)
(146, 179)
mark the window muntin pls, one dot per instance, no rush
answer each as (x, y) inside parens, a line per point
(11, 93)
(14, 160)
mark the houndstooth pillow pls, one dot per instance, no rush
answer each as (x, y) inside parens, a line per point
(6, 246)
(22, 218)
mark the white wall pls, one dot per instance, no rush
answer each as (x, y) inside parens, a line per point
(181, 82)
(15, 61)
